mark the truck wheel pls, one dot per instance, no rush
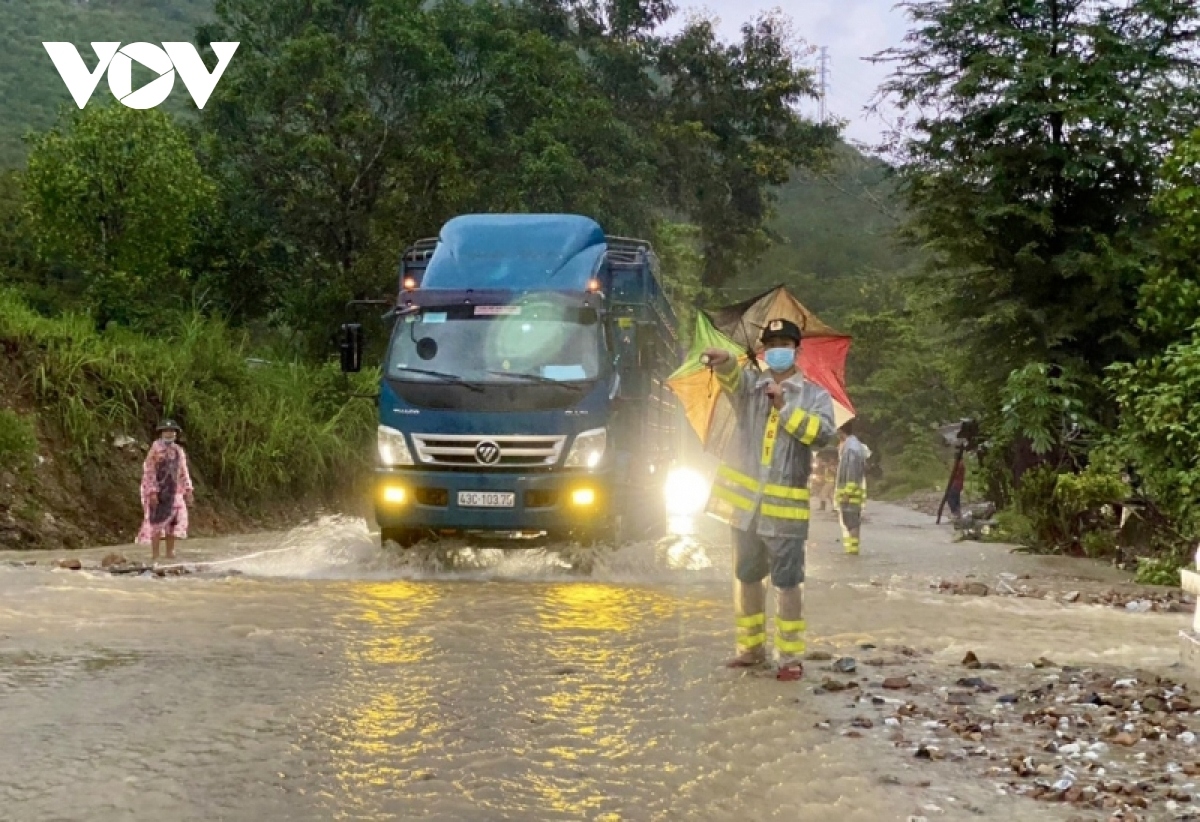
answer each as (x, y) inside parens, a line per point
(402, 537)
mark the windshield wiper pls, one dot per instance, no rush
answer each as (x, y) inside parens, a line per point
(443, 376)
(538, 378)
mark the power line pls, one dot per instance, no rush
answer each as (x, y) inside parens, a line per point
(823, 87)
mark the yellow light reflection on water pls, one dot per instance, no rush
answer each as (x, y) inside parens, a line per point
(591, 628)
(386, 717)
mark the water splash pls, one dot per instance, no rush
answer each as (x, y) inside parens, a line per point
(339, 547)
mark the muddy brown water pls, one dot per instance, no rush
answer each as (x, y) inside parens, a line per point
(327, 680)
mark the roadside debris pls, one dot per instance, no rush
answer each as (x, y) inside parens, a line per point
(1140, 600)
(118, 565)
(1122, 745)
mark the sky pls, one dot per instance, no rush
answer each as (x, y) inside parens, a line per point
(850, 29)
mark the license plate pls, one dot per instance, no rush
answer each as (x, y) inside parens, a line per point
(486, 499)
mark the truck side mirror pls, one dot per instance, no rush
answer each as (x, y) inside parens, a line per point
(351, 346)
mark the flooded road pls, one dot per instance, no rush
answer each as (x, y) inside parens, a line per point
(328, 680)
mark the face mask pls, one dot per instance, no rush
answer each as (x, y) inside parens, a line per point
(780, 359)
(168, 438)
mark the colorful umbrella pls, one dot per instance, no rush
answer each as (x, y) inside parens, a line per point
(737, 328)
(696, 386)
(822, 354)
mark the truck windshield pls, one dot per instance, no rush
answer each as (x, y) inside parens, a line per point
(496, 344)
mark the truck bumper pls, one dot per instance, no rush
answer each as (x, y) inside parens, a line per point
(555, 503)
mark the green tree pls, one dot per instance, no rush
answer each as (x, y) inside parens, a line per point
(1027, 152)
(1170, 297)
(358, 125)
(730, 133)
(115, 193)
(901, 382)
(1159, 394)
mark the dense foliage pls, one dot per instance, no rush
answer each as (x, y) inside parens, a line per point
(1062, 253)
(31, 91)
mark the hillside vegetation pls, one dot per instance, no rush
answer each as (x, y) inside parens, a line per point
(31, 91)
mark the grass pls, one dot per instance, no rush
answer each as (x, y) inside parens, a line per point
(18, 440)
(279, 430)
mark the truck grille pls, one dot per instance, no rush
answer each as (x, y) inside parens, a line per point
(476, 451)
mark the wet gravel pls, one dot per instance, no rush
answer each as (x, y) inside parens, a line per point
(1108, 743)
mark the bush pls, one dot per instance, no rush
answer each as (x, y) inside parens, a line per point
(1159, 432)
(1164, 571)
(1100, 544)
(1071, 513)
(284, 428)
(18, 440)
(1013, 527)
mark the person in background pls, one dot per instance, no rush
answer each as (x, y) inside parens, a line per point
(821, 484)
(761, 490)
(954, 490)
(851, 493)
(829, 467)
(166, 492)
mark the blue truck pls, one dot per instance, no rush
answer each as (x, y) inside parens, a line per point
(523, 389)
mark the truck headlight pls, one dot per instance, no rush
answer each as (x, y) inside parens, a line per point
(588, 449)
(393, 448)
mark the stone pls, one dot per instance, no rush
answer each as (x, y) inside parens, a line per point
(896, 683)
(977, 683)
(845, 665)
(70, 564)
(819, 656)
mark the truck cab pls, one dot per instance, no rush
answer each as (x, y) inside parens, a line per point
(523, 390)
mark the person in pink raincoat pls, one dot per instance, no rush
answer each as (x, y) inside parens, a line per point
(166, 492)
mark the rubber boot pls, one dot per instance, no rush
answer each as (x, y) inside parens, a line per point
(789, 634)
(750, 607)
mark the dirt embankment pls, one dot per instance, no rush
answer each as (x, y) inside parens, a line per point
(56, 503)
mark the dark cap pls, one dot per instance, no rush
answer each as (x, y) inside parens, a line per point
(782, 329)
(169, 425)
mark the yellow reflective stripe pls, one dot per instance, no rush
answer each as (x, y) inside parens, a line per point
(811, 430)
(749, 483)
(789, 646)
(733, 498)
(768, 443)
(790, 626)
(784, 511)
(785, 492)
(752, 621)
(794, 421)
(751, 641)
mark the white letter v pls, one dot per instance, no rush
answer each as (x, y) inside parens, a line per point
(80, 82)
(191, 68)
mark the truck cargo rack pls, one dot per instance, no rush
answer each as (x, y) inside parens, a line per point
(415, 260)
(636, 283)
